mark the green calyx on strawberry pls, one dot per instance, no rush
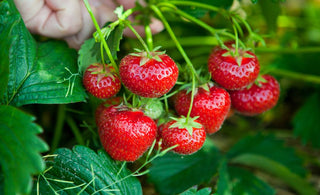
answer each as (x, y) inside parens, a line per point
(188, 124)
(146, 56)
(239, 56)
(258, 98)
(233, 71)
(148, 76)
(212, 106)
(102, 82)
(125, 133)
(187, 136)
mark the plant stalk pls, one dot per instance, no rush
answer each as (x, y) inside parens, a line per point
(59, 127)
(106, 47)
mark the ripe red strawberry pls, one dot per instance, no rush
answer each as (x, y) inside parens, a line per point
(148, 77)
(124, 133)
(105, 104)
(211, 106)
(189, 137)
(260, 97)
(101, 83)
(233, 72)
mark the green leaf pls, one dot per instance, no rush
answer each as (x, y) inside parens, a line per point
(173, 173)
(223, 185)
(268, 146)
(19, 150)
(1, 182)
(278, 170)
(113, 40)
(83, 170)
(4, 76)
(194, 191)
(270, 11)
(55, 78)
(18, 48)
(36, 70)
(4, 62)
(306, 125)
(237, 181)
(90, 51)
(245, 182)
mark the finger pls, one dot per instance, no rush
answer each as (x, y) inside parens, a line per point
(106, 14)
(156, 26)
(75, 41)
(112, 4)
(127, 4)
(57, 19)
(102, 14)
(28, 8)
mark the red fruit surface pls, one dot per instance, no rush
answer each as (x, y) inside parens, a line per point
(256, 99)
(226, 71)
(101, 84)
(151, 79)
(211, 106)
(187, 144)
(105, 104)
(125, 134)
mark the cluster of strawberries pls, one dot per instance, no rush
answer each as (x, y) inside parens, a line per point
(126, 132)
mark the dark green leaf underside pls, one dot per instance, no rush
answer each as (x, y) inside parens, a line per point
(84, 170)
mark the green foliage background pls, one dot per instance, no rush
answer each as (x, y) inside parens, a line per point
(48, 137)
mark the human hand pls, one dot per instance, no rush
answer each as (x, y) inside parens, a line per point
(69, 19)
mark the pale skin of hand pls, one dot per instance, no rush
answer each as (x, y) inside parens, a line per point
(70, 20)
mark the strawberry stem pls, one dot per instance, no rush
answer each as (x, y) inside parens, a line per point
(192, 98)
(175, 40)
(295, 75)
(196, 21)
(166, 105)
(236, 38)
(196, 4)
(75, 130)
(59, 127)
(145, 46)
(183, 53)
(102, 57)
(106, 47)
(280, 50)
(149, 39)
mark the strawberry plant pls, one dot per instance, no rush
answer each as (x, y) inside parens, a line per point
(224, 100)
